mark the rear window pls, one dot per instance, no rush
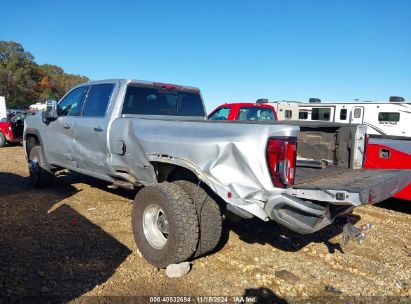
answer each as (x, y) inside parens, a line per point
(153, 101)
(254, 113)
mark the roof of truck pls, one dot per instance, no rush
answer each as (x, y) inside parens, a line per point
(246, 104)
(144, 83)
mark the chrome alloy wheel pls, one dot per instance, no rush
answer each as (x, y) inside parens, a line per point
(155, 225)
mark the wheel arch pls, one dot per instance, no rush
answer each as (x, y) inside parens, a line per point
(169, 168)
(31, 139)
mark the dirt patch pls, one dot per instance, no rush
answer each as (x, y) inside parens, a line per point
(74, 242)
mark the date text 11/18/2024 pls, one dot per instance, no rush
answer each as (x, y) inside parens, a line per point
(203, 299)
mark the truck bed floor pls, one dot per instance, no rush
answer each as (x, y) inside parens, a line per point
(304, 175)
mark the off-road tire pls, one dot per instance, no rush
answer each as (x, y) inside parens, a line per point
(209, 217)
(183, 234)
(40, 177)
(2, 140)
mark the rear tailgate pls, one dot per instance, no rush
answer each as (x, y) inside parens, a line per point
(349, 186)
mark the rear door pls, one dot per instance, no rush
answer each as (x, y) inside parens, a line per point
(90, 129)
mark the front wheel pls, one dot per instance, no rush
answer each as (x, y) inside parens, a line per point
(39, 176)
(165, 224)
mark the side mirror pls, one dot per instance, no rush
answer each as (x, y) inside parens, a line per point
(50, 113)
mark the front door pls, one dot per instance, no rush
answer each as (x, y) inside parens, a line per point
(59, 134)
(90, 130)
(357, 115)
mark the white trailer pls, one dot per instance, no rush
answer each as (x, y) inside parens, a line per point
(286, 110)
(383, 118)
(3, 110)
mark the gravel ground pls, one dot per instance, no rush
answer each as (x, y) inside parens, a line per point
(73, 242)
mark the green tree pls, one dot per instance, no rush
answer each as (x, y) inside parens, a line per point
(18, 74)
(23, 82)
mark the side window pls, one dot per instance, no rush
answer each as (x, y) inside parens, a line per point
(254, 113)
(153, 101)
(98, 99)
(343, 114)
(220, 114)
(288, 114)
(388, 116)
(140, 101)
(357, 113)
(321, 114)
(72, 104)
(303, 115)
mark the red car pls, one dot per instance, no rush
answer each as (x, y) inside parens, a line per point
(244, 111)
(11, 128)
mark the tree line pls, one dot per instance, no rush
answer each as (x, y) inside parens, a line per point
(24, 82)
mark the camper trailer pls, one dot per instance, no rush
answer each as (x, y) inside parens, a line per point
(382, 118)
(286, 110)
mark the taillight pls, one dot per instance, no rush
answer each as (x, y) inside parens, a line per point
(281, 160)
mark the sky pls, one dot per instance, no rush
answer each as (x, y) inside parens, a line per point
(232, 50)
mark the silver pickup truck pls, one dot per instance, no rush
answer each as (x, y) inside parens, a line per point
(155, 137)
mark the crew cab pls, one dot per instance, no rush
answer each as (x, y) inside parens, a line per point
(11, 128)
(156, 137)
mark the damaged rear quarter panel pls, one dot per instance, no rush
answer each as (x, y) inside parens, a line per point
(229, 156)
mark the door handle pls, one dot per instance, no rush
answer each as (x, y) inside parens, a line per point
(98, 129)
(66, 126)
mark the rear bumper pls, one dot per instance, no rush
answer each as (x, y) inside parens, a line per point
(302, 216)
(299, 213)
